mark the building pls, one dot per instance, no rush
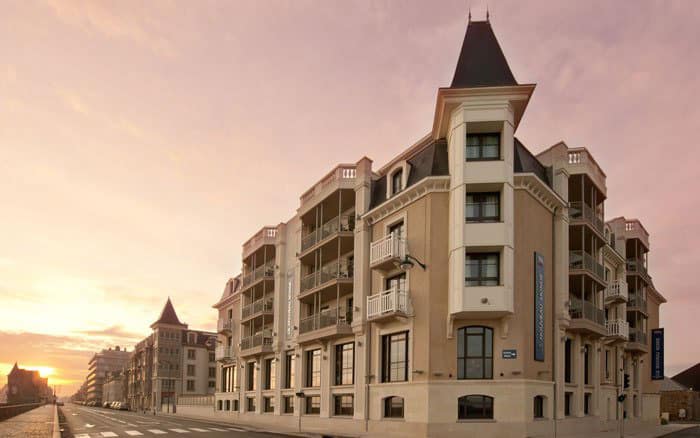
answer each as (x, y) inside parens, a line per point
(113, 387)
(680, 395)
(467, 286)
(100, 365)
(172, 361)
(27, 386)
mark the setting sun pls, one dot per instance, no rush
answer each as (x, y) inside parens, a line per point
(44, 371)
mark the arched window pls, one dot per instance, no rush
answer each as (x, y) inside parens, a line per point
(393, 407)
(475, 353)
(471, 407)
(538, 406)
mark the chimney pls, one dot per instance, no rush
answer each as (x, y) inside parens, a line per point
(117, 348)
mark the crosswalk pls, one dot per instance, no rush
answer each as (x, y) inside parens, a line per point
(176, 431)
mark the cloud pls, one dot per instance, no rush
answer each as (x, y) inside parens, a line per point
(115, 331)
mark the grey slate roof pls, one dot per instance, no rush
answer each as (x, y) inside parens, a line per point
(481, 62)
(690, 377)
(668, 384)
(525, 162)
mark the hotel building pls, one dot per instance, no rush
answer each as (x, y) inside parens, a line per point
(99, 367)
(466, 286)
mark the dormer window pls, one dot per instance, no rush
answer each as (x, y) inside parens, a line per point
(397, 182)
(481, 147)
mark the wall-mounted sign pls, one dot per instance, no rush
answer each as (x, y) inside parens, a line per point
(657, 354)
(539, 307)
(509, 354)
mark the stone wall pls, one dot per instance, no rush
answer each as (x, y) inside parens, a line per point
(673, 401)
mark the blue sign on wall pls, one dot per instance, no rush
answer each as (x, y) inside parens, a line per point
(509, 354)
(657, 354)
(539, 307)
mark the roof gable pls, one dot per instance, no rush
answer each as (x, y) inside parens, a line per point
(481, 62)
(168, 315)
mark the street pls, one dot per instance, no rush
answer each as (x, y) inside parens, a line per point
(90, 422)
(688, 433)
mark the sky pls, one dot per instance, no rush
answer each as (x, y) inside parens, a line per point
(141, 143)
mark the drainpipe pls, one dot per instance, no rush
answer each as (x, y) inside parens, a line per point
(555, 333)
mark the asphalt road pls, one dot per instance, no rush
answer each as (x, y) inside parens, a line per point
(688, 433)
(94, 422)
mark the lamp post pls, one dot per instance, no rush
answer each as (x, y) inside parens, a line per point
(407, 263)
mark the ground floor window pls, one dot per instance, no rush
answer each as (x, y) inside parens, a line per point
(313, 405)
(567, 403)
(251, 404)
(393, 407)
(228, 405)
(218, 405)
(235, 406)
(269, 404)
(288, 404)
(343, 404)
(538, 406)
(471, 407)
(586, 403)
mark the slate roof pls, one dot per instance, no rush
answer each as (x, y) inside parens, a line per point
(525, 162)
(689, 378)
(168, 315)
(668, 384)
(481, 62)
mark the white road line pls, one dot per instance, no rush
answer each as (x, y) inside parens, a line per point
(196, 429)
(82, 435)
(237, 429)
(179, 430)
(216, 429)
(157, 431)
(108, 434)
(133, 432)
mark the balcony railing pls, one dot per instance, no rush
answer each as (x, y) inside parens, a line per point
(638, 336)
(258, 339)
(259, 306)
(388, 247)
(224, 325)
(344, 222)
(581, 210)
(338, 269)
(617, 327)
(582, 260)
(266, 270)
(636, 266)
(224, 352)
(326, 318)
(637, 302)
(616, 289)
(579, 309)
(389, 301)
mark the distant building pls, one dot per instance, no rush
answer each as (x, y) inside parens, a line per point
(113, 388)
(26, 386)
(680, 395)
(173, 360)
(102, 363)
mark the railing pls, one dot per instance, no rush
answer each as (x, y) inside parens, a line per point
(225, 324)
(581, 210)
(224, 352)
(637, 302)
(343, 222)
(617, 327)
(326, 318)
(579, 309)
(342, 172)
(261, 305)
(638, 336)
(265, 233)
(9, 411)
(581, 156)
(582, 260)
(258, 339)
(388, 247)
(391, 300)
(266, 270)
(337, 269)
(636, 265)
(616, 289)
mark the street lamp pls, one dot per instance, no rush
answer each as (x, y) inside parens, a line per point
(407, 263)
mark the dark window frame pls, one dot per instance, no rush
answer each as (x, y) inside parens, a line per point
(481, 258)
(288, 404)
(464, 356)
(463, 408)
(268, 404)
(387, 343)
(397, 182)
(339, 407)
(568, 360)
(310, 409)
(313, 375)
(392, 410)
(538, 406)
(289, 372)
(480, 199)
(480, 146)
(341, 367)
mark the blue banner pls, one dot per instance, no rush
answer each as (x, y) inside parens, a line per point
(657, 354)
(539, 307)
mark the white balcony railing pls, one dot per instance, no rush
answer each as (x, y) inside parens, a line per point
(224, 352)
(388, 247)
(618, 327)
(616, 289)
(389, 301)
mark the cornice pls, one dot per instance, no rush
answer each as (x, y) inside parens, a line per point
(539, 190)
(430, 184)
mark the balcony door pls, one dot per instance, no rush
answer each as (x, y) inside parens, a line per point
(397, 280)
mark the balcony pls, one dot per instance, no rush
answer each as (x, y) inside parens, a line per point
(637, 303)
(263, 306)
(339, 270)
(386, 252)
(580, 211)
(637, 341)
(389, 303)
(617, 329)
(327, 324)
(266, 271)
(257, 344)
(580, 161)
(637, 267)
(582, 261)
(635, 230)
(343, 224)
(224, 325)
(586, 317)
(341, 177)
(224, 352)
(616, 292)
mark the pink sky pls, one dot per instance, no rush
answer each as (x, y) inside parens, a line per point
(142, 143)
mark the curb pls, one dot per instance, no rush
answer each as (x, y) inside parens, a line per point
(56, 426)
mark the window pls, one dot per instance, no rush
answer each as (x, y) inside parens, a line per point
(398, 281)
(251, 376)
(212, 372)
(344, 364)
(567, 361)
(313, 404)
(313, 368)
(191, 338)
(212, 357)
(397, 230)
(251, 404)
(397, 182)
(586, 365)
(228, 379)
(393, 407)
(191, 353)
(586, 403)
(475, 407)
(483, 207)
(475, 353)
(567, 403)
(483, 146)
(190, 370)
(235, 405)
(395, 357)
(211, 384)
(190, 385)
(218, 405)
(538, 406)
(482, 269)
(343, 404)
(289, 370)
(269, 404)
(288, 404)
(607, 364)
(270, 373)
(228, 405)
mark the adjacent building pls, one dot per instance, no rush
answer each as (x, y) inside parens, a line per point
(26, 386)
(102, 363)
(113, 387)
(680, 395)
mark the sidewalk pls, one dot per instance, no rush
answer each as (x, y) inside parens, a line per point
(37, 423)
(650, 432)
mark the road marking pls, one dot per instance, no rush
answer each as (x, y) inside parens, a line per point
(157, 431)
(82, 435)
(133, 432)
(196, 429)
(88, 425)
(237, 429)
(109, 434)
(179, 430)
(216, 429)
